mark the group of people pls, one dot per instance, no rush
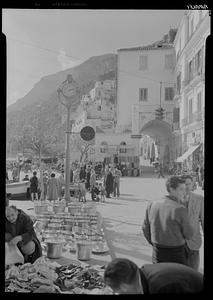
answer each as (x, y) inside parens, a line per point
(172, 227)
(52, 188)
(99, 186)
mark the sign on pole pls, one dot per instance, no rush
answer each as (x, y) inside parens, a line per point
(87, 133)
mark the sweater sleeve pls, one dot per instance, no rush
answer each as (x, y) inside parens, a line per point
(27, 235)
(146, 225)
(186, 227)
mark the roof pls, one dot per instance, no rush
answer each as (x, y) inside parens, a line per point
(155, 46)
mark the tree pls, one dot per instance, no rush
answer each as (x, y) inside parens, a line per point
(81, 146)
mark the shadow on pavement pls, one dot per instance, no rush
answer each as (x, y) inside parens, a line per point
(129, 245)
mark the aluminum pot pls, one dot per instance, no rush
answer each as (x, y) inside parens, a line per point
(58, 208)
(54, 249)
(39, 209)
(84, 250)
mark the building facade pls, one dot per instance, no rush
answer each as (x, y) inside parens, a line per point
(190, 44)
(145, 82)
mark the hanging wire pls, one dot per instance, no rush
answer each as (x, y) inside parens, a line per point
(80, 59)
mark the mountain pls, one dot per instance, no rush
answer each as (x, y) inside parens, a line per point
(43, 96)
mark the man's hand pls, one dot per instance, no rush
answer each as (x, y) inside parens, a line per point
(16, 239)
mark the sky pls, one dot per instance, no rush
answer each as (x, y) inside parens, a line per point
(41, 42)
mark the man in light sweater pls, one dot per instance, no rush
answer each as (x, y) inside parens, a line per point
(195, 205)
(166, 224)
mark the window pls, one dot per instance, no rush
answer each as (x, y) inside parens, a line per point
(191, 26)
(199, 102)
(179, 83)
(143, 62)
(198, 61)
(191, 69)
(190, 108)
(169, 61)
(169, 93)
(143, 94)
(176, 114)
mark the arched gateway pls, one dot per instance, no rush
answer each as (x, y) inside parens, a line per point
(160, 133)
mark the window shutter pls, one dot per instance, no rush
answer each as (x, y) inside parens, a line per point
(143, 62)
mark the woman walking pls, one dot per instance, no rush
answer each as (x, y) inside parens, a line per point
(52, 188)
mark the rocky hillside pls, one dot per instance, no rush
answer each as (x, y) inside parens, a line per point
(42, 99)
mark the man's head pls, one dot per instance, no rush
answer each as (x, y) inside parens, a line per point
(34, 173)
(123, 277)
(11, 213)
(176, 187)
(188, 182)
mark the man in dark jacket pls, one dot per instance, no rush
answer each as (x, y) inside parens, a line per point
(19, 231)
(109, 183)
(124, 277)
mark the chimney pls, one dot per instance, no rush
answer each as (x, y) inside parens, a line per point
(165, 38)
(171, 35)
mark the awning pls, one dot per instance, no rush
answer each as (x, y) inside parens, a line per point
(187, 153)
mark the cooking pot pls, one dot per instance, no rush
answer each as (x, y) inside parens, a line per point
(58, 208)
(39, 209)
(84, 250)
(54, 248)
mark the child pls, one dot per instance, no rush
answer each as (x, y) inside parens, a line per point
(102, 191)
(95, 192)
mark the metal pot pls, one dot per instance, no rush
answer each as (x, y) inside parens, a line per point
(54, 226)
(84, 250)
(54, 249)
(39, 209)
(58, 208)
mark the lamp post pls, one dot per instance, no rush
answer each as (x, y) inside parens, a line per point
(69, 96)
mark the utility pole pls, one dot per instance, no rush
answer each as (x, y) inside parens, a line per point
(160, 92)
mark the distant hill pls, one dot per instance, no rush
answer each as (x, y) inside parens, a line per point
(43, 96)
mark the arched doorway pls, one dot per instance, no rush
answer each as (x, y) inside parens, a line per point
(160, 133)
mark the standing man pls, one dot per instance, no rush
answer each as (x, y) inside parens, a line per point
(116, 186)
(195, 206)
(34, 186)
(166, 224)
(92, 183)
(61, 184)
(160, 170)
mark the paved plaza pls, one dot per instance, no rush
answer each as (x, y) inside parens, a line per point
(123, 217)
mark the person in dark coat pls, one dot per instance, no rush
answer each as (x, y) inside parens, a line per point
(71, 176)
(19, 231)
(88, 174)
(34, 186)
(124, 277)
(109, 183)
(82, 174)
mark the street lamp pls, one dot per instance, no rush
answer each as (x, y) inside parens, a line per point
(69, 96)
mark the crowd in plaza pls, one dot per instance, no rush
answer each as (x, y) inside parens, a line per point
(171, 226)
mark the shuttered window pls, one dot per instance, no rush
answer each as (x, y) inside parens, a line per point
(143, 62)
(169, 61)
(169, 94)
(199, 102)
(143, 94)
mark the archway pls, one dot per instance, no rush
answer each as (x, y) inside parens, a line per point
(160, 134)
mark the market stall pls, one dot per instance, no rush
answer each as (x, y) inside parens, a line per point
(75, 251)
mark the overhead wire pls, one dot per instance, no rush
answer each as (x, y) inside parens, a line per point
(80, 59)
